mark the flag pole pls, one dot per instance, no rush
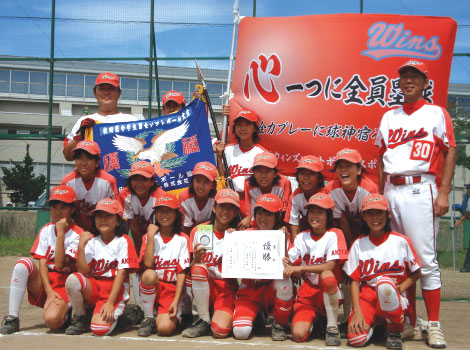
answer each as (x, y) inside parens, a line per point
(226, 96)
(214, 123)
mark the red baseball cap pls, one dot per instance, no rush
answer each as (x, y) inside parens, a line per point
(418, 65)
(226, 195)
(351, 155)
(321, 200)
(107, 78)
(63, 193)
(142, 168)
(247, 114)
(374, 201)
(269, 202)
(311, 163)
(266, 159)
(206, 169)
(173, 95)
(167, 200)
(109, 205)
(89, 146)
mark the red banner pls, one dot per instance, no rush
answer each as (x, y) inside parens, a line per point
(322, 83)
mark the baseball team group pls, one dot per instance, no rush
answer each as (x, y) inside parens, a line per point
(351, 243)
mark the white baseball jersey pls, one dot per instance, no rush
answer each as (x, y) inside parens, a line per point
(113, 118)
(45, 244)
(282, 190)
(350, 208)
(192, 214)
(133, 207)
(171, 255)
(371, 257)
(212, 258)
(104, 186)
(106, 259)
(309, 249)
(410, 142)
(240, 162)
(295, 208)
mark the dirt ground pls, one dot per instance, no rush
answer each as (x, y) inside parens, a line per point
(455, 317)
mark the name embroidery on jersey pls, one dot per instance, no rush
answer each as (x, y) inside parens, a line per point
(400, 137)
(103, 266)
(314, 260)
(160, 263)
(210, 259)
(371, 267)
(236, 170)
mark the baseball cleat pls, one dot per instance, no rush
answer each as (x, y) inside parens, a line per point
(333, 337)
(10, 325)
(147, 327)
(394, 341)
(197, 329)
(77, 326)
(278, 332)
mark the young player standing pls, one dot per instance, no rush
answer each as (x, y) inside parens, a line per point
(310, 180)
(315, 256)
(411, 140)
(55, 248)
(382, 265)
(91, 184)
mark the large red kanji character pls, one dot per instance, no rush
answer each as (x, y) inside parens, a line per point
(111, 161)
(264, 69)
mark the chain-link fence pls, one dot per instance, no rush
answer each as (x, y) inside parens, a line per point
(51, 52)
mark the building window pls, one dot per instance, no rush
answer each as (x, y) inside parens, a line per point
(19, 81)
(38, 83)
(4, 80)
(59, 84)
(75, 85)
(89, 84)
(129, 89)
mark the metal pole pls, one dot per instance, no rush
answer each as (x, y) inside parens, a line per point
(156, 73)
(236, 18)
(51, 91)
(361, 6)
(152, 6)
(452, 223)
(254, 8)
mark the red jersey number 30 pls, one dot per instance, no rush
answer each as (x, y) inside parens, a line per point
(422, 150)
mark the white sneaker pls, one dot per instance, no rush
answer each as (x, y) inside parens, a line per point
(435, 337)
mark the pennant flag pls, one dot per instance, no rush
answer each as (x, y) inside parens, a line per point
(172, 143)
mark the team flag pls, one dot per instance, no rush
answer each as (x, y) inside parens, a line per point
(172, 143)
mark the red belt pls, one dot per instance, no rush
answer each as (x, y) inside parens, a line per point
(398, 180)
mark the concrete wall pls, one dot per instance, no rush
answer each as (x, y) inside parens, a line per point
(18, 223)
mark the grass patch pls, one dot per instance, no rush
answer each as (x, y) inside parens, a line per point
(445, 258)
(16, 246)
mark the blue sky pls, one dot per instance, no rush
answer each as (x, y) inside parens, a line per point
(98, 28)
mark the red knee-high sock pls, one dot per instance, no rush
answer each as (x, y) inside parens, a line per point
(411, 296)
(432, 300)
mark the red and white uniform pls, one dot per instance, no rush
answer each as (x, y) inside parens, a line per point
(170, 253)
(134, 208)
(44, 248)
(193, 215)
(372, 258)
(171, 257)
(98, 118)
(211, 258)
(240, 161)
(282, 189)
(343, 205)
(104, 260)
(103, 186)
(308, 250)
(295, 208)
(222, 291)
(411, 139)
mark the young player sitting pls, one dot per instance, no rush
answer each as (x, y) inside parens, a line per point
(265, 179)
(310, 180)
(315, 256)
(209, 288)
(91, 184)
(165, 256)
(102, 280)
(55, 248)
(382, 266)
(274, 296)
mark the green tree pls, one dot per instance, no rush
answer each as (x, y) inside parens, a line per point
(21, 180)
(461, 121)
